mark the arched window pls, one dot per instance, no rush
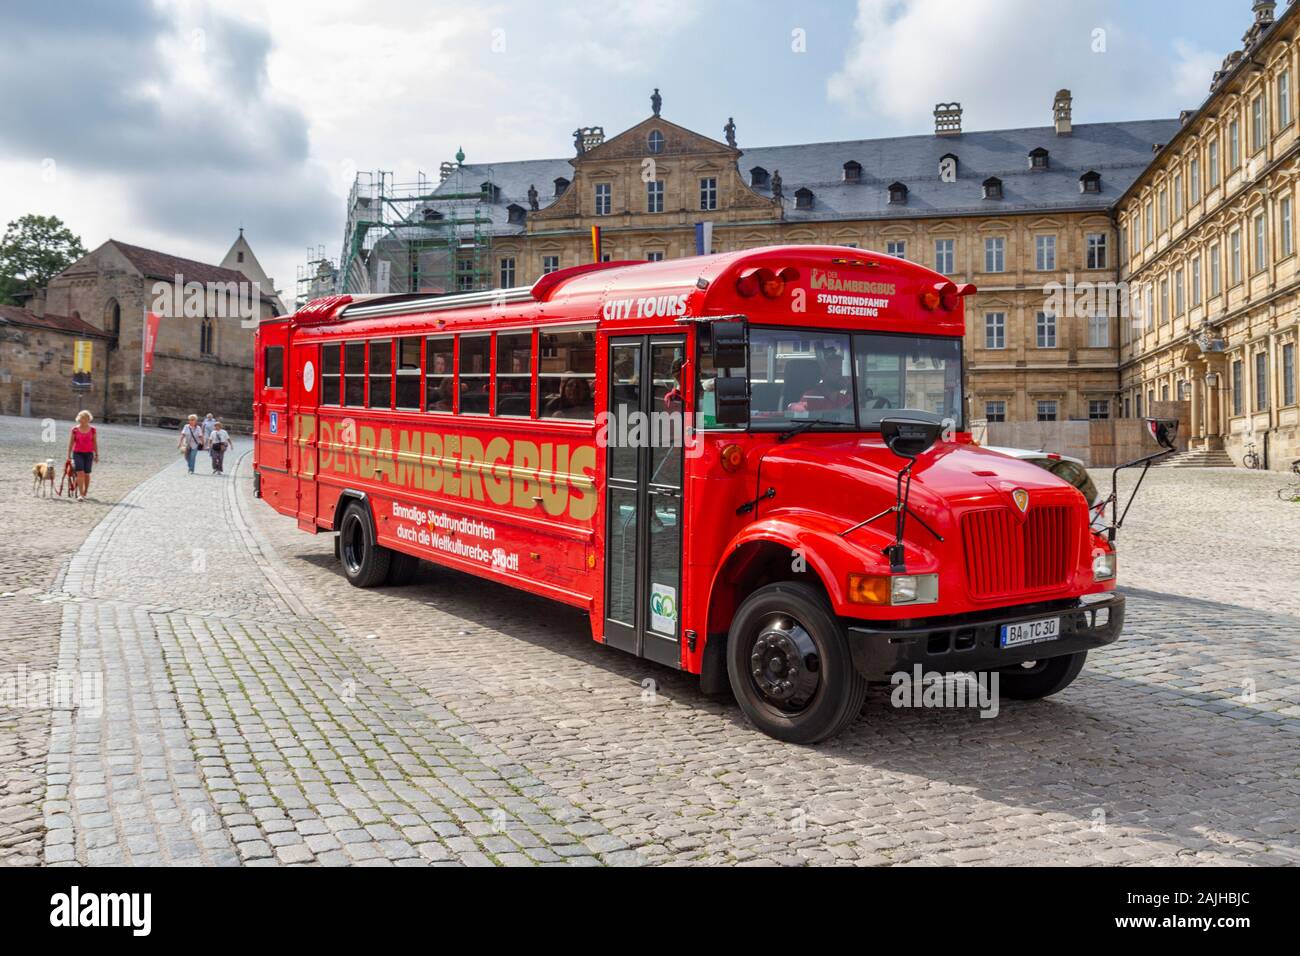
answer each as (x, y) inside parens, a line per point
(207, 336)
(113, 321)
(655, 142)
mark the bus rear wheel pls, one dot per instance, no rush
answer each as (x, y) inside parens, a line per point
(1037, 679)
(790, 667)
(365, 563)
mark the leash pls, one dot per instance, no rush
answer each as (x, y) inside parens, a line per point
(67, 474)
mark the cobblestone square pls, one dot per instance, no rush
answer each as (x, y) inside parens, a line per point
(242, 705)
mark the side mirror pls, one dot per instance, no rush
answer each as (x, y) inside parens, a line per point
(909, 437)
(731, 399)
(730, 345)
(1163, 430)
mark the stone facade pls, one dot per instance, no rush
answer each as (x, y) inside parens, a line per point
(36, 365)
(203, 358)
(1210, 257)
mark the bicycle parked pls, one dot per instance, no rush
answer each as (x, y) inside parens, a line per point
(1251, 458)
(1291, 493)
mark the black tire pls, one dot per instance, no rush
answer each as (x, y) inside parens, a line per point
(1044, 679)
(365, 563)
(402, 569)
(793, 617)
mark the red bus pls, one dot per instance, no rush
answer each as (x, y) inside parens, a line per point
(751, 466)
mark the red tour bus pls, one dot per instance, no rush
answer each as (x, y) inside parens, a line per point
(751, 466)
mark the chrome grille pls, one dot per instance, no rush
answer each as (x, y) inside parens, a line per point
(1007, 556)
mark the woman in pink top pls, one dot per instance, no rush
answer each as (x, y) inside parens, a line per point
(83, 450)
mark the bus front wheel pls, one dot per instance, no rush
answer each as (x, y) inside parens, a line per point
(365, 563)
(790, 667)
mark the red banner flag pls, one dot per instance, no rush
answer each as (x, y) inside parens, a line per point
(595, 244)
(151, 320)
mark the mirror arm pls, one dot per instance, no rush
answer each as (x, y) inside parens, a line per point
(1117, 522)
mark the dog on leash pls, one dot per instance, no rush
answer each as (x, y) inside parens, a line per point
(43, 478)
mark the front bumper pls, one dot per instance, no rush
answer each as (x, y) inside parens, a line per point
(971, 642)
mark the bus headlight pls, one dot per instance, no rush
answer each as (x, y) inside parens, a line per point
(1103, 566)
(893, 589)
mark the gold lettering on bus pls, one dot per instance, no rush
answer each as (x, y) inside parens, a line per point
(830, 279)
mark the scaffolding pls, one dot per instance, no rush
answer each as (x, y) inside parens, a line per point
(319, 277)
(417, 237)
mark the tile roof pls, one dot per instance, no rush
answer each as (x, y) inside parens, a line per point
(160, 265)
(1119, 152)
(15, 315)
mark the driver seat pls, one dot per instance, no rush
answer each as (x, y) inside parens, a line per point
(801, 375)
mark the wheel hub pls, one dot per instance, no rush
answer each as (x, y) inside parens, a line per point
(784, 663)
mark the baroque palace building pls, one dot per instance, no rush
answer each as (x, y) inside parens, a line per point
(1209, 256)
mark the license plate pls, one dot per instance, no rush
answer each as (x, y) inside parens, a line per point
(1031, 632)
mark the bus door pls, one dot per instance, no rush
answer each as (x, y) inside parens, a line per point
(303, 461)
(271, 418)
(643, 498)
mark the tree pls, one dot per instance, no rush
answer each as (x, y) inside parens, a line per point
(33, 251)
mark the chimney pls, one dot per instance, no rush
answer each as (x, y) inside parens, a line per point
(36, 304)
(947, 119)
(1061, 109)
(1264, 10)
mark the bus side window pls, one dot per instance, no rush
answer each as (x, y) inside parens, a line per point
(329, 374)
(273, 362)
(440, 374)
(381, 374)
(514, 374)
(475, 373)
(408, 373)
(354, 374)
(566, 375)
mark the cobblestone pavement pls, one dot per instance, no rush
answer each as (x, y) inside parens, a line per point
(40, 535)
(259, 710)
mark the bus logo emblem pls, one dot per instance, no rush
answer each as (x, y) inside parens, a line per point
(1021, 498)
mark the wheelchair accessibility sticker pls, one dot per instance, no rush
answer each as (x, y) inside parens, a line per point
(275, 422)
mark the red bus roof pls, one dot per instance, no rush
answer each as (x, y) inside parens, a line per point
(832, 287)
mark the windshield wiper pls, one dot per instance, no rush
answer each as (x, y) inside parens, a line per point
(800, 427)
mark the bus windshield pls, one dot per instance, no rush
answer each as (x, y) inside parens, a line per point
(841, 380)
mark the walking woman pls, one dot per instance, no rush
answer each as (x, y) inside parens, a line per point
(191, 441)
(83, 450)
(218, 442)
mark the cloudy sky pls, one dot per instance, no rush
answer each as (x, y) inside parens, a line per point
(171, 123)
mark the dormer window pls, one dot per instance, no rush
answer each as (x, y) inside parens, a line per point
(515, 214)
(803, 198)
(758, 177)
(897, 194)
(993, 188)
(948, 168)
(1090, 182)
(429, 214)
(1038, 158)
(561, 184)
(655, 142)
(491, 192)
(853, 171)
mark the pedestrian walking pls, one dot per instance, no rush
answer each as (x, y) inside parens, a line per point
(218, 443)
(83, 451)
(209, 423)
(191, 441)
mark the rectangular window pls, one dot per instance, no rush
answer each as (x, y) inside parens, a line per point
(330, 374)
(550, 264)
(1234, 145)
(1258, 135)
(1149, 307)
(354, 374)
(1261, 381)
(1284, 99)
(1213, 154)
(1149, 218)
(995, 330)
(1180, 284)
(1097, 252)
(995, 411)
(1178, 194)
(1234, 257)
(507, 272)
(604, 198)
(654, 196)
(566, 375)
(709, 193)
(1237, 386)
(1194, 180)
(514, 378)
(1047, 410)
(1285, 225)
(944, 256)
(440, 374)
(408, 373)
(273, 363)
(654, 255)
(1164, 209)
(1098, 409)
(381, 374)
(1098, 331)
(1164, 301)
(1216, 271)
(474, 378)
(1261, 244)
(1196, 280)
(995, 255)
(1288, 374)
(1046, 325)
(896, 248)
